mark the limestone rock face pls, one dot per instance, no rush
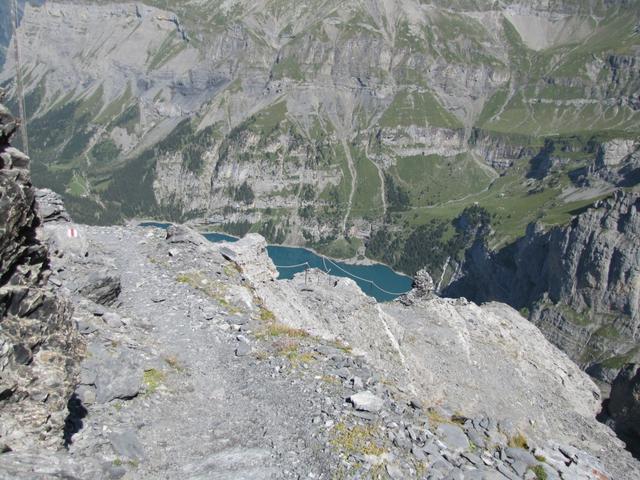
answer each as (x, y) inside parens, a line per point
(38, 346)
(581, 283)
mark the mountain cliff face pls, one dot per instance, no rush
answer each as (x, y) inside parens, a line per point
(250, 374)
(39, 348)
(580, 283)
(309, 122)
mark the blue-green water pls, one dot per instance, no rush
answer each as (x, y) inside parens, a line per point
(377, 280)
(372, 279)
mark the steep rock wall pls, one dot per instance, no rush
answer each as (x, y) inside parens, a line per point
(39, 348)
(580, 283)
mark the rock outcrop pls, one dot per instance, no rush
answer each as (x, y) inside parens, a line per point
(39, 348)
(51, 207)
(580, 283)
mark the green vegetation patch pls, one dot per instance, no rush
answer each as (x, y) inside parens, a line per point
(619, 361)
(152, 379)
(340, 247)
(287, 68)
(433, 179)
(171, 46)
(367, 200)
(417, 108)
(105, 151)
(357, 439)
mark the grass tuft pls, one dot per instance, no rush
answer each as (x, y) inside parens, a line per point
(357, 440)
(519, 441)
(153, 379)
(267, 315)
(540, 472)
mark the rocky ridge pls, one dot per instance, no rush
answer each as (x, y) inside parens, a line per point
(195, 370)
(39, 348)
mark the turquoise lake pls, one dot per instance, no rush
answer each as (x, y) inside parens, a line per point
(377, 280)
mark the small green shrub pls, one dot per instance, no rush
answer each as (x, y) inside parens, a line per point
(266, 315)
(540, 472)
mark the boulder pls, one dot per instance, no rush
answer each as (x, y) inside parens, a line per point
(101, 287)
(184, 234)
(66, 238)
(250, 254)
(366, 401)
(453, 437)
(116, 375)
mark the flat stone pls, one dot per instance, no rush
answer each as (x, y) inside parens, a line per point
(493, 475)
(431, 448)
(127, 445)
(115, 376)
(519, 467)
(366, 401)
(455, 474)
(476, 438)
(453, 437)
(364, 415)
(402, 442)
(507, 472)
(243, 349)
(474, 459)
(522, 455)
(395, 471)
(237, 320)
(418, 453)
(113, 320)
(85, 328)
(474, 474)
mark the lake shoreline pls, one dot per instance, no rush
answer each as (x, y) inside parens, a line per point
(367, 262)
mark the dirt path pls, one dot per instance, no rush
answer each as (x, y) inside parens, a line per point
(213, 413)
